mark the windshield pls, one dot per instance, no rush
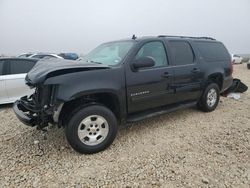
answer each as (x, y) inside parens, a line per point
(109, 53)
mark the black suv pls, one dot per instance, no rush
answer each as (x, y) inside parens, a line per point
(124, 81)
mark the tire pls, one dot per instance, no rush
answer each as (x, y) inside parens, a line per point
(207, 104)
(91, 129)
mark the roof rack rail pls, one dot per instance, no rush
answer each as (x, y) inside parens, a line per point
(209, 38)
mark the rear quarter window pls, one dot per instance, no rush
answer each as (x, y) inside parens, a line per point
(213, 51)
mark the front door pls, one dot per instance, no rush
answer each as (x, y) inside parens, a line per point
(148, 88)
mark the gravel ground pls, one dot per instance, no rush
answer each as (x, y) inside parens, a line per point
(187, 148)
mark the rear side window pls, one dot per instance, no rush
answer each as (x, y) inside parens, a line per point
(213, 51)
(1, 67)
(181, 53)
(20, 66)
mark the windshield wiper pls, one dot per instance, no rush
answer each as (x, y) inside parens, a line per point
(93, 62)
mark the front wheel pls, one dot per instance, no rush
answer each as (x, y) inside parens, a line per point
(91, 129)
(210, 98)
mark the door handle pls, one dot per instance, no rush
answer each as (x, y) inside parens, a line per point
(166, 75)
(195, 70)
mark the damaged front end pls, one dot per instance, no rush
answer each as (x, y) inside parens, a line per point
(40, 108)
(47, 76)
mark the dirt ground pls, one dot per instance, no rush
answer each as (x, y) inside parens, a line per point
(187, 148)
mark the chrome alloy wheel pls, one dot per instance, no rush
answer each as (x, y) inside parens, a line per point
(211, 97)
(93, 130)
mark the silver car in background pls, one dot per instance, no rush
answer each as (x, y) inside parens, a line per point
(45, 55)
(12, 78)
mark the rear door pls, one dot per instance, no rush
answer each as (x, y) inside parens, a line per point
(3, 93)
(148, 88)
(15, 83)
(187, 72)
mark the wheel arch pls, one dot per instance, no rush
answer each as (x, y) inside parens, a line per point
(216, 78)
(107, 99)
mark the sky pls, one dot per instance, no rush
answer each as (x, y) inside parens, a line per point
(80, 25)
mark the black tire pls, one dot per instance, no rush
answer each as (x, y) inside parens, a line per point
(203, 103)
(248, 65)
(71, 130)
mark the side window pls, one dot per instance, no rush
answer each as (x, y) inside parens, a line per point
(20, 66)
(1, 67)
(181, 52)
(213, 51)
(155, 50)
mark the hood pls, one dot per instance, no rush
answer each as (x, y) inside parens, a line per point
(54, 67)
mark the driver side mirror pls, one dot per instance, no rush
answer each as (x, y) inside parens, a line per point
(143, 62)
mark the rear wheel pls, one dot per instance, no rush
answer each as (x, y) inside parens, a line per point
(210, 98)
(91, 129)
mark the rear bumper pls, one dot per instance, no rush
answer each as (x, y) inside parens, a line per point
(22, 114)
(236, 87)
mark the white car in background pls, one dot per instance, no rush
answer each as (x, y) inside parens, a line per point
(12, 78)
(236, 59)
(45, 55)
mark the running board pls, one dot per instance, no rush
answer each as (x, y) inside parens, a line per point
(158, 111)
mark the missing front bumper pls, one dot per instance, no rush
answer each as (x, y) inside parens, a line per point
(32, 114)
(23, 114)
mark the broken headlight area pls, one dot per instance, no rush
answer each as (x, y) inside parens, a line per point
(37, 109)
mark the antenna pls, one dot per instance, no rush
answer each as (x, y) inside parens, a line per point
(134, 37)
